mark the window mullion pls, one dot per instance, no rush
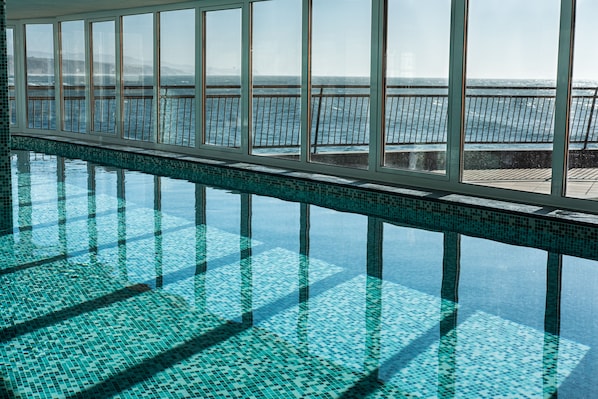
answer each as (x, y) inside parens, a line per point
(456, 90)
(563, 99)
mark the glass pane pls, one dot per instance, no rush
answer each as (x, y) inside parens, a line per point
(10, 48)
(582, 177)
(511, 79)
(222, 108)
(341, 41)
(103, 90)
(276, 60)
(41, 107)
(73, 76)
(417, 68)
(177, 78)
(138, 77)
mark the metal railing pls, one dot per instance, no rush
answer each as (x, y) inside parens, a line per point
(414, 115)
(41, 107)
(177, 115)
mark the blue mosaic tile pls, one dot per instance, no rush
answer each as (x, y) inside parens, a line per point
(106, 296)
(566, 235)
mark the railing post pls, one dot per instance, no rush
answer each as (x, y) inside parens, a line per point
(585, 142)
(162, 116)
(318, 120)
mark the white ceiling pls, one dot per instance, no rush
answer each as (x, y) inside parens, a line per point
(24, 9)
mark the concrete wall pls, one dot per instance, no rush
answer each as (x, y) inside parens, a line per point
(474, 159)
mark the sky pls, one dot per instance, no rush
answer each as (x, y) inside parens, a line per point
(507, 39)
(513, 39)
(223, 42)
(176, 34)
(418, 38)
(279, 52)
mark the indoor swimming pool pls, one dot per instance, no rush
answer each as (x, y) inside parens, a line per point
(115, 283)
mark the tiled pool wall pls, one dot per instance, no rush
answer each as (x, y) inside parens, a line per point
(5, 181)
(548, 229)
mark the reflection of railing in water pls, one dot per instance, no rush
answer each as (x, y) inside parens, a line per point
(415, 115)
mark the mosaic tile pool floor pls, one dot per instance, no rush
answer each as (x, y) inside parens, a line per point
(117, 284)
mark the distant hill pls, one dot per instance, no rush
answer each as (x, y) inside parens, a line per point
(45, 66)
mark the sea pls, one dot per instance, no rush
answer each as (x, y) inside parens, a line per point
(497, 112)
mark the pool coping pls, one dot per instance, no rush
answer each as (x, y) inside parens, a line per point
(402, 204)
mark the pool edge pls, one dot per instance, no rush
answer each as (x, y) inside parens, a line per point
(567, 232)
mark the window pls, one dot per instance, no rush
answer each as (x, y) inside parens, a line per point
(276, 57)
(340, 92)
(177, 78)
(582, 176)
(222, 78)
(417, 66)
(511, 79)
(41, 107)
(10, 49)
(103, 66)
(138, 77)
(73, 69)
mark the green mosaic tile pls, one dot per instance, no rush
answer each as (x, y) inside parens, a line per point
(105, 296)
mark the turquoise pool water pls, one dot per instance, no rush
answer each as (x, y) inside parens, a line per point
(116, 283)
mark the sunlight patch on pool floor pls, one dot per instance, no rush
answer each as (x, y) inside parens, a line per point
(121, 318)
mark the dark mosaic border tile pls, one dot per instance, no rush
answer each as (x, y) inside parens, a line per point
(5, 183)
(554, 230)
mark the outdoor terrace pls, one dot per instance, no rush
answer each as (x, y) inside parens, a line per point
(512, 126)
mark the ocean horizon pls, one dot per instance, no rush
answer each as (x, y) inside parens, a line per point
(498, 111)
